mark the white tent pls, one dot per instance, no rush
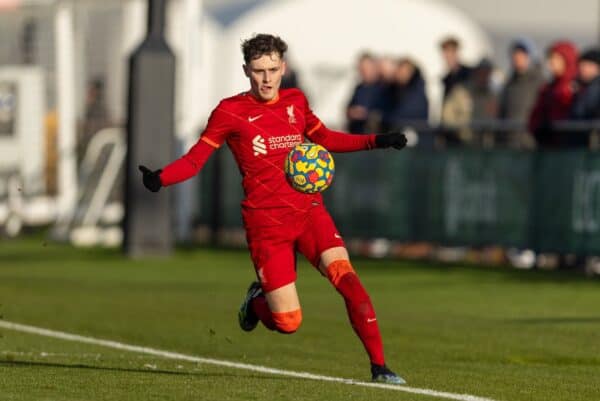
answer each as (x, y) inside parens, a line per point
(325, 37)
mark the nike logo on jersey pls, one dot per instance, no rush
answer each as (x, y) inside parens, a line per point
(371, 320)
(252, 119)
(258, 145)
(336, 235)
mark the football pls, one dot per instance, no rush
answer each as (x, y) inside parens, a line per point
(309, 168)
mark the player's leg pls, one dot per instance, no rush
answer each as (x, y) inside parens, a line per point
(325, 249)
(274, 299)
(279, 309)
(335, 265)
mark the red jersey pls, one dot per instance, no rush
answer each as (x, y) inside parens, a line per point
(260, 135)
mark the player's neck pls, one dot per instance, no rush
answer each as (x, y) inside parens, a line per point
(259, 100)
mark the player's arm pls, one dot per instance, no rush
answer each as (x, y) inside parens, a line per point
(190, 164)
(336, 141)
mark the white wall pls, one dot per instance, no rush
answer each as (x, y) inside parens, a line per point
(325, 37)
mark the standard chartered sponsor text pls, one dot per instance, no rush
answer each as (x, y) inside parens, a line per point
(284, 141)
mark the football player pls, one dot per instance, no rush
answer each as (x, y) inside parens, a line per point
(261, 126)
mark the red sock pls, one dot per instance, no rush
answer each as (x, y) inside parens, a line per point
(261, 308)
(361, 313)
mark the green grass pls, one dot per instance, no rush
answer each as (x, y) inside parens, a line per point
(497, 333)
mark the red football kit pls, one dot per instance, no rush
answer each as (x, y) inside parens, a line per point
(278, 219)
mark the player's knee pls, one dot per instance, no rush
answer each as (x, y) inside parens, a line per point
(337, 269)
(287, 322)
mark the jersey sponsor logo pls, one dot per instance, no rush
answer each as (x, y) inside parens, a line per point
(284, 141)
(258, 145)
(274, 143)
(290, 113)
(252, 119)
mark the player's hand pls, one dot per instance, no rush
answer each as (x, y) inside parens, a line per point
(151, 178)
(396, 140)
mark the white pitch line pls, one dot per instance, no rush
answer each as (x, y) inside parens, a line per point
(218, 362)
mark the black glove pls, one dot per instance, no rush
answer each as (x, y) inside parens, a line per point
(151, 178)
(396, 140)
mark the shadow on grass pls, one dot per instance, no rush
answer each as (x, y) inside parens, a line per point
(29, 364)
(479, 271)
(556, 320)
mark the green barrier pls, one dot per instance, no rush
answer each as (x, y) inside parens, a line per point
(480, 197)
(567, 212)
(549, 201)
(369, 195)
(453, 197)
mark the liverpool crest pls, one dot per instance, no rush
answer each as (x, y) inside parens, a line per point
(290, 112)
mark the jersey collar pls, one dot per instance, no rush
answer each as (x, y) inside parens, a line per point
(255, 100)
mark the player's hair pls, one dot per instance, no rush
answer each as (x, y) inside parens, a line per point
(261, 44)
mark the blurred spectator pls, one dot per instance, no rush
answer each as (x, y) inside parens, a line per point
(365, 95)
(406, 97)
(485, 99)
(457, 72)
(519, 93)
(95, 107)
(473, 100)
(554, 100)
(290, 78)
(386, 69)
(96, 115)
(586, 105)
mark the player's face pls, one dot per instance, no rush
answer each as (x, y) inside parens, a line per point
(265, 75)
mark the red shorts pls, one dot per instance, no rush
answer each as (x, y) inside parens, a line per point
(274, 236)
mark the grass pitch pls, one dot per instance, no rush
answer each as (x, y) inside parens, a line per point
(496, 333)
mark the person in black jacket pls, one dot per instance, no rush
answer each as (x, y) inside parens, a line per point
(407, 100)
(586, 105)
(457, 72)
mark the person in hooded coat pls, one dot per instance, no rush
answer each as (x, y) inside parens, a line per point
(555, 98)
